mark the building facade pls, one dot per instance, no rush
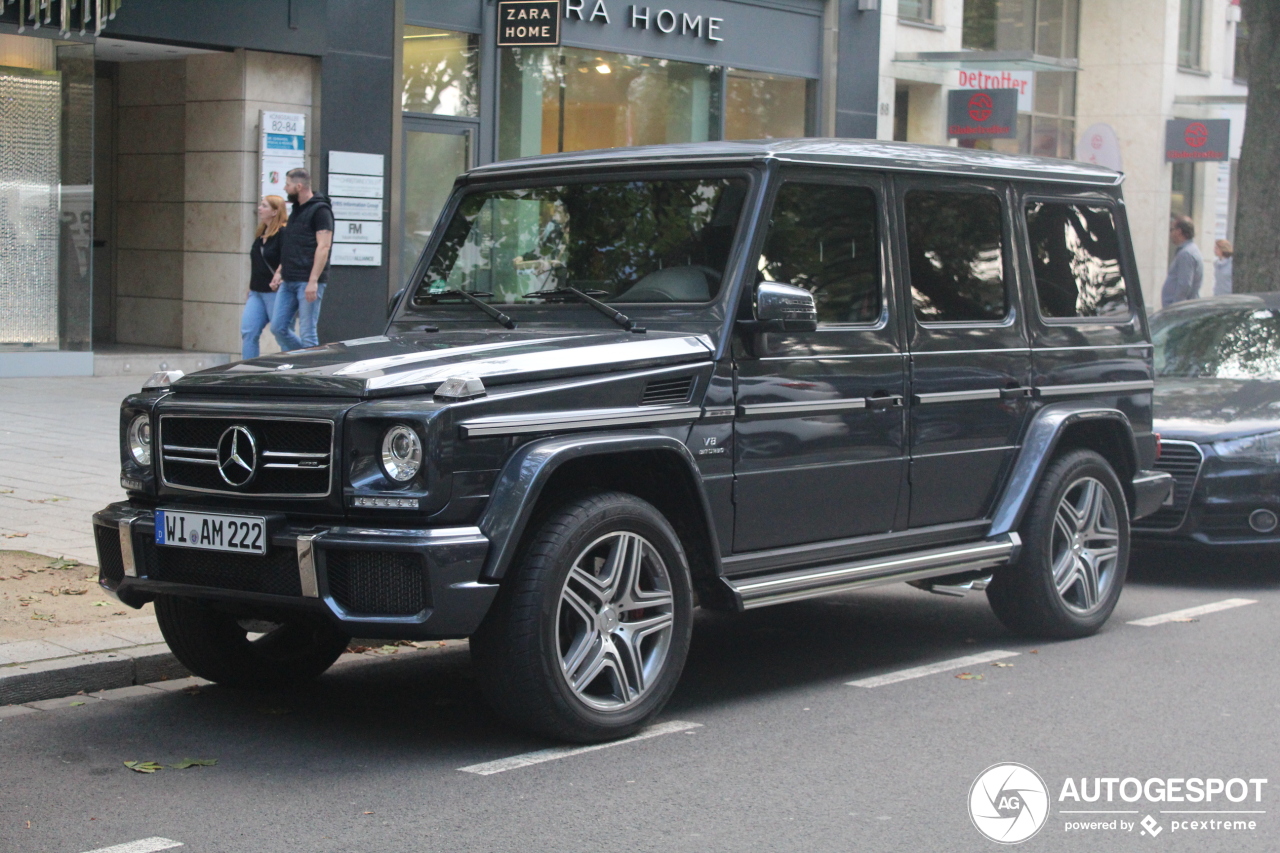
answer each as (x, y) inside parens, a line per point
(134, 148)
(1094, 78)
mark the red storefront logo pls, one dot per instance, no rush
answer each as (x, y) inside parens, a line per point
(980, 107)
(1196, 135)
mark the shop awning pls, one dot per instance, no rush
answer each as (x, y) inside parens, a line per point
(66, 15)
(988, 60)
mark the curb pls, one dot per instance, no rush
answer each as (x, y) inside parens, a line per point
(53, 679)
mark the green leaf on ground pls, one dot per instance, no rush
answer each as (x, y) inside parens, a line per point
(100, 603)
(143, 766)
(76, 704)
(63, 563)
(194, 762)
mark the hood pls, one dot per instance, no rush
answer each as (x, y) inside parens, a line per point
(1213, 409)
(384, 366)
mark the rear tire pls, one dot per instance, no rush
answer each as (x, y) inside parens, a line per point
(217, 646)
(1075, 552)
(590, 630)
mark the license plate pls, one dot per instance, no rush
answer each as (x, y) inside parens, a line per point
(238, 534)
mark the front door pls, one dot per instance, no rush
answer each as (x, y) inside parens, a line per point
(435, 153)
(819, 448)
(970, 359)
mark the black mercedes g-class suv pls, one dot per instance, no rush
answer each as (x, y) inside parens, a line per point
(622, 384)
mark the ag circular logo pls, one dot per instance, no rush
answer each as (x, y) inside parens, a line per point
(1008, 803)
(981, 107)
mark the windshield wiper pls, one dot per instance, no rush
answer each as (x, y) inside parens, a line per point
(474, 299)
(616, 316)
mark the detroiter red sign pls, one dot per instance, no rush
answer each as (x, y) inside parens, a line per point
(1197, 139)
(982, 114)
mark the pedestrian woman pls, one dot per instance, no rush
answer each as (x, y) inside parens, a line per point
(1222, 267)
(264, 259)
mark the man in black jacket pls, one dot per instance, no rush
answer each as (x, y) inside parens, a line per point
(304, 263)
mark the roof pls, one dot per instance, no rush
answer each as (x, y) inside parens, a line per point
(866, 153)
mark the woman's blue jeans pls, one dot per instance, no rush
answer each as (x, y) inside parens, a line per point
(255, 317)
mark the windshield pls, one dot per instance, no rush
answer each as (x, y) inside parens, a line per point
(1240, 343)
(624, 241)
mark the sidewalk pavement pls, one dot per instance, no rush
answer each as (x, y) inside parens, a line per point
(59, 460)
(60, 463)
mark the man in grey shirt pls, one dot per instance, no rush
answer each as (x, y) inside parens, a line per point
(1187, 270)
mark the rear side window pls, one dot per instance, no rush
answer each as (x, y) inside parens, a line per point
(1075, 255)
(823, 237)
(955, 253)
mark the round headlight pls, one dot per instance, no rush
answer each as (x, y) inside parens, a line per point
(140, 439)
(401, 453)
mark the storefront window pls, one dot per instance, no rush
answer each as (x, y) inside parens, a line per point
(439, 72)
(764, 106)
(46, 196)
(1048, 28)
(916, 10)
(575, 99)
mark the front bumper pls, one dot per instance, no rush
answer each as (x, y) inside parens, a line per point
(1222, 496)
(1151, 490)
(382, 583)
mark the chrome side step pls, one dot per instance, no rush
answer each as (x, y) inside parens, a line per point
(813, 582)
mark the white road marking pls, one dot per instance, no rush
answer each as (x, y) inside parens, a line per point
(517, 761)
(146, 845)
(930, 669)
(1176, 615)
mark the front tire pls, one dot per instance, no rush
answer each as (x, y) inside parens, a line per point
(590, 631)
(241, 653)
(1075, 552)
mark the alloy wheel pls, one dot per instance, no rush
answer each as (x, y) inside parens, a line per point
(1085, 545)
(615, 621)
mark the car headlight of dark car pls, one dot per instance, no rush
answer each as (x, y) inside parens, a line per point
(1264, 447)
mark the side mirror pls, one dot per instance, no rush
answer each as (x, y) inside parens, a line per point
(783, 308)
(395, 300)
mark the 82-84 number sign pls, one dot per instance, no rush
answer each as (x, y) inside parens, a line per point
(528, 23)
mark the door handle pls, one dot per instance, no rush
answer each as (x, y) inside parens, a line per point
(1022, 392)
(885, 401)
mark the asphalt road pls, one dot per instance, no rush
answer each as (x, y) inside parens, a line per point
(785, 754)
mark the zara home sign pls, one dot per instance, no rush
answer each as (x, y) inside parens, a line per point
(643, 18)
(528, 23)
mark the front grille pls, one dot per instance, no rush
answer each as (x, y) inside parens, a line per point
(662, 392)
(293, 457)
(377, 583)
(273, 574)
(110, 560)
(1182, 459)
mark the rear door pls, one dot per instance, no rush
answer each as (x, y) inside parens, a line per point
(970, 357)
(819, 437)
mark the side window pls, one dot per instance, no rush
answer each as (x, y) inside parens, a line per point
(955, 252)
(823, 237)
(1075, 255)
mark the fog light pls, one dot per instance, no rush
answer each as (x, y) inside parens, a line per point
(1263, 520)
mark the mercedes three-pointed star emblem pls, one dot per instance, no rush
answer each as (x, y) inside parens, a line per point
(237, 456)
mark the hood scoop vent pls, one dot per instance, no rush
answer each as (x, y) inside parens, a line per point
(666, 392)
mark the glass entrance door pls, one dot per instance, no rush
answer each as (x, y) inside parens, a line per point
(435, 153)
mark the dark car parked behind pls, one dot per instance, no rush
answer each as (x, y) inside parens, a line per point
(1217, 409)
